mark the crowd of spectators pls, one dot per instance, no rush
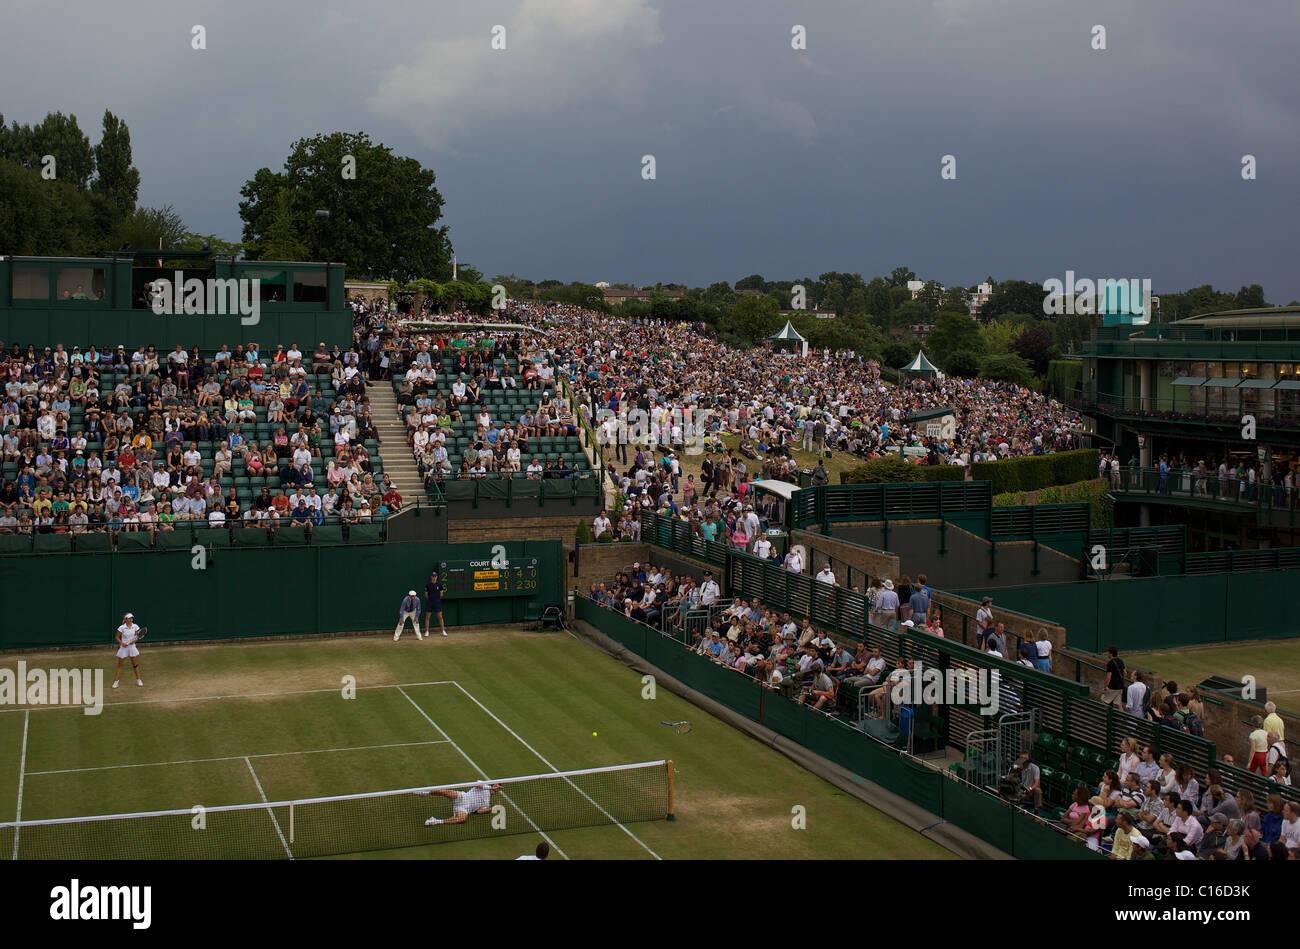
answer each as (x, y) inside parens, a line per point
(156, 442)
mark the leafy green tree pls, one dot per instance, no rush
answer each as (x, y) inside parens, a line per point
(1013, 296)
(383, 222)
(896, 354)
(720, 294)
(953, 333)
(963, 364)
(148, 228)
(956, 299)
(899, 276)
(282, 240)
(752, 282)
(116, 178)
(1000, 336)
(57, 135)
(51, 218)
(1071, 330)
(878, 302)
(1036, 347)
(218, 247)
(1251, 297)
(1008, 367)
(930, 295)
(754, 318)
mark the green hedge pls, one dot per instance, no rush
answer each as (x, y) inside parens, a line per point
(1063, 375)
(1038, 471)
(893, 470)
(1094, 493)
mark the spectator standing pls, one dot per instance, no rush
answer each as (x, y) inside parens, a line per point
(1113, 692)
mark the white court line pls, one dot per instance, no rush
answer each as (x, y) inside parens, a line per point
(22, 765)
(269, 810)
(269, 754)
(482, 774)
(213, 698)
(542, 758)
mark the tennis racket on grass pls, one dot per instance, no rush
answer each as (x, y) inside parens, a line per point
(680, 727)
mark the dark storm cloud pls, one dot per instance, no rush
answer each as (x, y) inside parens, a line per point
(1123, 162)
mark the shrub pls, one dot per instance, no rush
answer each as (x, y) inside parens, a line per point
(584, 533)
(1036, 472)
(887, 470)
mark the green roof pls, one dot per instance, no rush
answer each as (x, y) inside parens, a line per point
(920, 364)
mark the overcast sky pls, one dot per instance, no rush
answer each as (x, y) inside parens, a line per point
(1119, 163)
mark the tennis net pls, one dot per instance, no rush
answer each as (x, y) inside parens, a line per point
(353, 823)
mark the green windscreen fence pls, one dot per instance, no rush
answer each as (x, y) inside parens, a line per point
(1159, 612)
(248, 592)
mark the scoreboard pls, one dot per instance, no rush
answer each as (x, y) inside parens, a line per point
(517, 577)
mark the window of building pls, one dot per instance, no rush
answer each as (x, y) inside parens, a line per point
(309, 286)
(31, 282)
(80, 284)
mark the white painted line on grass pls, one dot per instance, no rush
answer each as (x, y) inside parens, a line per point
(269, 810)
(214, 698)
(481, 773)
(22, 765)
(269, 754)
(542, 758)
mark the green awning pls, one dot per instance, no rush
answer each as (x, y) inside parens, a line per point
(1221, 383)
(1290, 385)
(1256, 384)
(1189, 381)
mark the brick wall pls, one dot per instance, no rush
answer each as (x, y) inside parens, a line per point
(598, 562)
(551, 527)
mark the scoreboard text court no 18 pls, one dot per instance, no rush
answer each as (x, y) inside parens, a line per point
(481, 578)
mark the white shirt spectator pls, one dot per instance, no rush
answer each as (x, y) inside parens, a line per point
(709, 592)
(827, 575)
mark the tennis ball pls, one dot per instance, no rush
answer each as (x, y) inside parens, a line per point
(593, 734)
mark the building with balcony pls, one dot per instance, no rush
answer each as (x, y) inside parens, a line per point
(1219, 388)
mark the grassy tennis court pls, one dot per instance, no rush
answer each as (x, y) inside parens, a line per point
(1275, 665)
(239, 724)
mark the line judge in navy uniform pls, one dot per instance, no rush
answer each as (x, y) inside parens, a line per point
(433, 604)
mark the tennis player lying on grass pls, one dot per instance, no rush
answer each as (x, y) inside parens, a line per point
(477, 800)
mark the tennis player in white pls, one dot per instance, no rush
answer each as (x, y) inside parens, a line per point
(126, 647)
(477, 800)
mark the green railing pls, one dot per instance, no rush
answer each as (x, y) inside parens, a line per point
(185, 535)
(1243, 561)
(521, 490)
(1266, 499)
(1027, 522)
(820, 506)
(1272, 408)
(1170, 542)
